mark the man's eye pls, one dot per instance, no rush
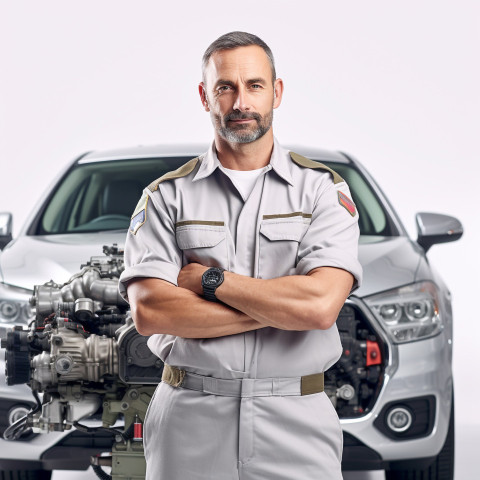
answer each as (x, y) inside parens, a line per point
(224, 88)
(256, 86)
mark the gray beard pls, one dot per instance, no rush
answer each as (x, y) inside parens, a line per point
(239, 135)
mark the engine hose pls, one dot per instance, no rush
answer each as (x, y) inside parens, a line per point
(100, 473)
(16, 429)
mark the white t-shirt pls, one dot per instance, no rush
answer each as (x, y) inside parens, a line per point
(244, 180)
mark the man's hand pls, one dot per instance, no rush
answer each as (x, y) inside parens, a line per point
(190, 277)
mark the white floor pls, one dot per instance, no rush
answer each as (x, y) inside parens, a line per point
(466, 466)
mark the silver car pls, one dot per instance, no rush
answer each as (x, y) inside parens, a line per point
(392, 387)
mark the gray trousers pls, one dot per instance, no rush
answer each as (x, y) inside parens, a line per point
(191, 435)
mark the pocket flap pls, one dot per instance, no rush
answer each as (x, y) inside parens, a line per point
(199, 236)
(283, 230)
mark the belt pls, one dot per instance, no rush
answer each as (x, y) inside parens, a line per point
(243, 387)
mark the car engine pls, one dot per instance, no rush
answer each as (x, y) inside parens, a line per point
(83, 353)
(354, 382)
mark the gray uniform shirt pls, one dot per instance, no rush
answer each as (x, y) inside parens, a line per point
(298, 217)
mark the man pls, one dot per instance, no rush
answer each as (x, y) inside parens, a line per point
(245, 348)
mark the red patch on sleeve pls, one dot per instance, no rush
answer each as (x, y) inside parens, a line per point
(348, 204)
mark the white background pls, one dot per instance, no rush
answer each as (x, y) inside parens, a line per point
(394, 83)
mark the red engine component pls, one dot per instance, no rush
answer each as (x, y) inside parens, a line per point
(137, 430)
(374, 356)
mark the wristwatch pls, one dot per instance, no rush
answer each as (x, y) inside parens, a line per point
(211, 280)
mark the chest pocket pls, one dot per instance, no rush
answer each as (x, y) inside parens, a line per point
(203, 242)
(278, 245)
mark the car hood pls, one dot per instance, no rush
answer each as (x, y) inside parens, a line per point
(30, 260)
(388, 262)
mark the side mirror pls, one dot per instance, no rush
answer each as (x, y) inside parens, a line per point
(435, 228)
(5, 228)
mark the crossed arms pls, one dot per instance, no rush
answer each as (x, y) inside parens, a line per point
(297, 302)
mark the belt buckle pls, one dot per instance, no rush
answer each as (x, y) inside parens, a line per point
(173, 376)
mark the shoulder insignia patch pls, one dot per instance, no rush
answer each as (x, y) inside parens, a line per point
(307, 163)
(139, 216)
(182, 171)
(348, 204)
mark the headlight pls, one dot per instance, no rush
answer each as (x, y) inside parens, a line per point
(14, 305)
(408, 313)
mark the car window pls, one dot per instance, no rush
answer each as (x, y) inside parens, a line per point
(373, 219)
(101, 196)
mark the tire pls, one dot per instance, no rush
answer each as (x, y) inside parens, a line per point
(442, 467)
(25, 475)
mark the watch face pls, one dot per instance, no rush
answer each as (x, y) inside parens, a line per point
(211, 277)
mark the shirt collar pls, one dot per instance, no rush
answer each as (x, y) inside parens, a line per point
(279, 161)
(209, 163)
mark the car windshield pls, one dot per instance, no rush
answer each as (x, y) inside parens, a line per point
(372, 219)
(101, 196)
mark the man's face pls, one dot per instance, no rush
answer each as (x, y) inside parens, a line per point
(239, 93)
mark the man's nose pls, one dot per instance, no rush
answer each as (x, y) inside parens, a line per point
(241, 101)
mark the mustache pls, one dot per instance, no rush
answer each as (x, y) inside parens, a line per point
(242, 116)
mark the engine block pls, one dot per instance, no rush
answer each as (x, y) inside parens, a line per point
(82, 351)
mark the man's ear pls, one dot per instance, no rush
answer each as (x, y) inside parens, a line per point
(277, 92)
(202, 90)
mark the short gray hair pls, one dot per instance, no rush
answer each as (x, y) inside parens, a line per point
(232, 40)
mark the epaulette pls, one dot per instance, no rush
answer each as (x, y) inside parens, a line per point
(307, 163)
(182, 171)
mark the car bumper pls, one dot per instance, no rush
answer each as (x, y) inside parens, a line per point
(418, 369)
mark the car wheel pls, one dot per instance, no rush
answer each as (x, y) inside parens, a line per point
(25, 475)
(441, 468)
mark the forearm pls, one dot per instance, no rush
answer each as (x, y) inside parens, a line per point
(161, 308)
(298, 302)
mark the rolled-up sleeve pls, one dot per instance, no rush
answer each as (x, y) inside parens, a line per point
(331, 239)
(150, 248)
